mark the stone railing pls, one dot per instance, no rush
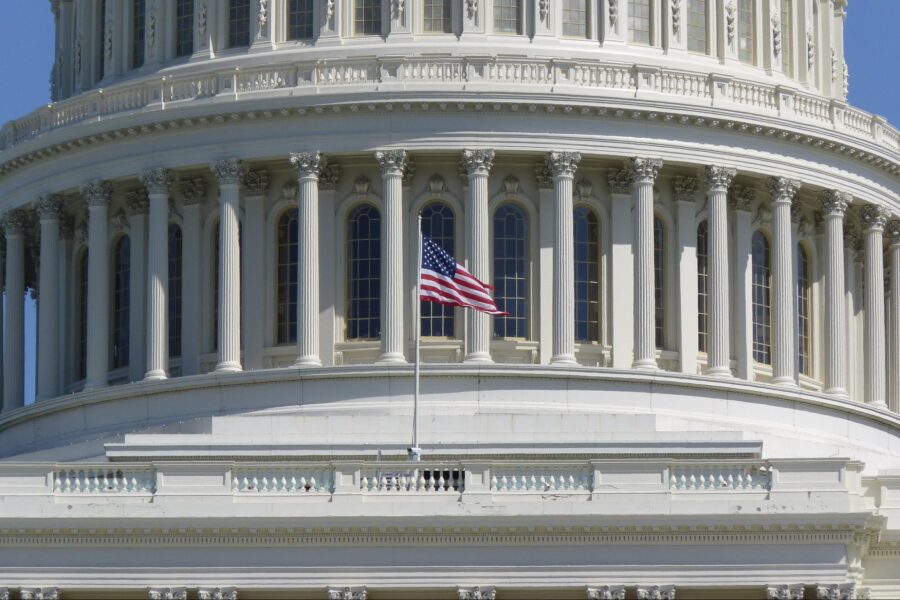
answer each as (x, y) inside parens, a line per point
(104, 479)
(615, 80)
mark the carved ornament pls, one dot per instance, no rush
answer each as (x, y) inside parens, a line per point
(892, 232)
(137, 201)
(392, 162)
(511, 185)
(218, 594)
(436, 185)
(613, 12)
(845, 591)
(676, 17)
(743, 198)
(477, 592)
(784, 592)
(347, 593)
(873, 217)
(544, 11)
(478, 162)
(783, 189)
(167, 594)
(362, 186)
(66, 232)
(229, 171)
(39, 594)
(584, 188)
(397, 8)
(620, 181)
(256, 183)
(563, 164)
(685, 189)
(835, 203)
(810, 48)
(151, 23)
(97, 193)
(48, 207)
(718, 177)
(645, 170)
(656, 592)
(776, 36)
(329, 177)
(262, 17)
(730, 21)
(606, 592)
(201, 18)
(308, 164)
(157, 181)
(193, 191)
(471, 9)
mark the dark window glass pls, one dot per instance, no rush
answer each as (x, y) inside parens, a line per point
(762, 300)
(804, 309)
(121, 301)
(511, 271)
(102, 28)
(138, 16)
(82, 313)
(364, 274)
(587, 275)
(238, 23)
(287, 277)
(438, 224)
(659, 280)
(175, 290)
(367, 17)
(703, 285)
(184, 28)
(300, 20)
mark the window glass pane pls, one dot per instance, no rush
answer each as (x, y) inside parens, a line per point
(438, 16)
(367, 17)
(703, 285)
(138, 15)
(507, 16)
(804, 309)
(762, 300)
(510, 271)
(787, 37)
(287, 277)
(121, 302)
(639, 21)
(587, 275)
(364, 281)
(659, 280)
(175, 254)
(696, 29)
(82, 314)
(238, 23)
(184, 28)
(438, 224)
(575, 18)
(300, 20)
(745, 30)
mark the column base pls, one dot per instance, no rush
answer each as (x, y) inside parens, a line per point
(724, 372)
(94, 385)
(838, 392)
(308, 361)
(785, 381)
(564, 360)
(478, 358)
(229, 367)
(646, 364)
(391, 358)
(155, 376)
(880, 404)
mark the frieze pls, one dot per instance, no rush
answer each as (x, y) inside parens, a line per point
(193, 191)
(685, 188)
(620, 180)
(256, 182)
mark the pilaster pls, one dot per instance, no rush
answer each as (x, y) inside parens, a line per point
(328, 181)
(98, 193)
(743, 201)
(478, 165)
(621, 273)
(644, 171)
(546, 266)
(784, 315)
(256, 188)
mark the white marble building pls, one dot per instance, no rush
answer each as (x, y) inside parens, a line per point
(696, 391)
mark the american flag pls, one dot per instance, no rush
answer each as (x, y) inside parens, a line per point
(445, 281)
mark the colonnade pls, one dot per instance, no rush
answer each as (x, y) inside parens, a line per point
(632, 215)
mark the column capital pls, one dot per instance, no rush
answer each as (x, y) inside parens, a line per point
(97, 193)
(392, 162)
(478, 162)
(157, 181)
(137, 201)
(835, 202)
(308, 164)
(217, 593)
(167, 593)
(892, 232)
(620, 180)
(256, 183)
(784, 592)
(685, 189)
(15, 222)
(743, 197)
(783, 189)
(347, 593)
(843, 591)
(228, 171)
(563, 164)
(656, 592)
(48, 207)
(39, 594)
(645, 170)
(478, 592)
(193, 191)
(718, 177)
(873, 217)
(606, 592)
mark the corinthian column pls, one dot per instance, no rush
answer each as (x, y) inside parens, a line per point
(645, 171)
(48, 209)
(873, 220)
(15, 223)
(893, 234)
(157, 182)
(834, 207)
(393, 166)
(718, 179)
(478, 167)
(97, 194)
(562, 165)
(308, 166)
(783, 191)
(229, 173)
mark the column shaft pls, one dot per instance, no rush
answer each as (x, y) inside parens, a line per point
(393, 166)
(229, 173)
(478, 166)
(194, 194)
(256, 189)
(138, 206)
(14, 355)
(718, 342)
(48, 300)
(783, 314)
(834, 205)
(874, 219)
(894, 333)
(562, 166)
(97, 371)
(158, 182)
(645, 171)
(308, 167)
(688, 304)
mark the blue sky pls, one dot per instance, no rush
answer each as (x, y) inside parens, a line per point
(26, 54)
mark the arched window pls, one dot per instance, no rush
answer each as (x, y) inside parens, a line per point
(639, 21)
(659, 280)
(762, 299)
(697, 32)
(587, 275)
(438, 16)
(745, 30)
(703, 285)
(184, 27)
(238, 23)
(300, 20)
(138, 32)
(366, 17)
(511, 271)
(82, 313)
(804, 309)
(787, 37)
(121, 288)
(438, 224)
(508, 16)
(286, 278)
(364, 273)
(176, 244)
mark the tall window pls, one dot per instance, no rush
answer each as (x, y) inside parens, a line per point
(184, 28)
(82, 313)
(121, 288)
(507, 16)
(364, 274)
(575, 18)
(703, 285)
(438, 16)
(639, 21)
(804, 321)
(438, 224)
(176, 244)
(659, 280)
(587, 275)
(238, 23)
(787, 37)
(746, 22)
(762, 299)
(511, 271)
(138, 16)
(696, 26)
(288, 233)
(367, 17)
(102, 28)
(300, 20)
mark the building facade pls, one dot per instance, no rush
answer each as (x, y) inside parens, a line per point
(695, 392)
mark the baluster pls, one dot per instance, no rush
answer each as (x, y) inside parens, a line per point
(532, 482)
(441, 481)
(504, 483)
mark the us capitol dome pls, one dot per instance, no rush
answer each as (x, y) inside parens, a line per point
(694, 394)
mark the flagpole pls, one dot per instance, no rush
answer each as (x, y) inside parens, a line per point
(414, 452)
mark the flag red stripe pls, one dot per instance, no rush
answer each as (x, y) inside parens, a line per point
(458, 300)
(465, 290)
